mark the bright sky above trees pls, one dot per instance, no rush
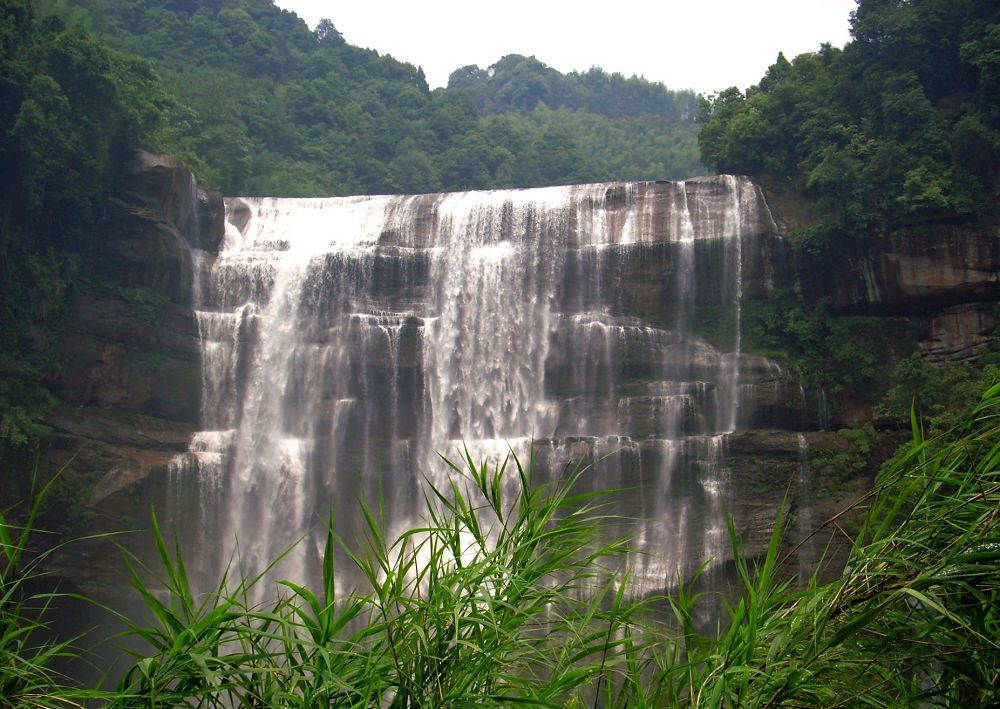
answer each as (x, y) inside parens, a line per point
(705, 45)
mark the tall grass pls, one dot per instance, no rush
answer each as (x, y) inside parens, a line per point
(506, 595)
(502, 597)
(913, 619)
(27, 651)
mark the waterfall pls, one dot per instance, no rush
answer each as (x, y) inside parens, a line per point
(347, 341)
(805, 524)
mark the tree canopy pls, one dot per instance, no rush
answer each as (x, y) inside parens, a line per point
(901, 126)
(263, 105)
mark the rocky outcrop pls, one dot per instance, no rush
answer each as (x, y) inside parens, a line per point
(162, 188)
(936, 284)
(959, 333)
(130, 386)
(132, 342)
(915, 271)
(157, 216)
(943, 277)
(132, 356)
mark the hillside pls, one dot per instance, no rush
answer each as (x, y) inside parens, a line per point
(264, 105)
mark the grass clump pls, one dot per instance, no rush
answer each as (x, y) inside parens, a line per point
(506, 595)
(502, 597)
(27, 652)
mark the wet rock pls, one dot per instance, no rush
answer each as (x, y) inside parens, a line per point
(117, 428)
(914, 271)
(132, 357)
(162, 187)
(959, 333)
(146, 252)
(238, 213)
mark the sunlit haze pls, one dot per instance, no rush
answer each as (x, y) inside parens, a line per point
(706, 45)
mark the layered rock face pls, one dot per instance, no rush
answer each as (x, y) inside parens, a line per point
(946, 277)
(132, 374)
(133, 343)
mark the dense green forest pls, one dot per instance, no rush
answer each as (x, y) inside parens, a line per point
(262, 105)
(900, 126)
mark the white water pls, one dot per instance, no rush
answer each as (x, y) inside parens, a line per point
(805, 522)
(346, 341)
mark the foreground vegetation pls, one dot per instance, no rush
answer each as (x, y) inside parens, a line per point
(505, 597)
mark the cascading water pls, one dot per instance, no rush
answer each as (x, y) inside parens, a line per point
(346, 341)
(805, 523)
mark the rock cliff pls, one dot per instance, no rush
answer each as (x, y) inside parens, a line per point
(941, 275)
(134, 376)
(130, 386)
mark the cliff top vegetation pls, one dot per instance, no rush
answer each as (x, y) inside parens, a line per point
(900, 126)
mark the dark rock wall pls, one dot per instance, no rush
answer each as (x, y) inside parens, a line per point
(132, 344)
(130, 385)
(944, 277)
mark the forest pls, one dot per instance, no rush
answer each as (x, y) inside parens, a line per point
(259, 104)
(899, 127)
(898, 131)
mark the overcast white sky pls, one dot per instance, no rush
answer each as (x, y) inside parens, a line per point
(706, 45)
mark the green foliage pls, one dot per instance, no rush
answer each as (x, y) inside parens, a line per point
(941, 394)
(27, 675)
(258, 104)
(838, 352)
(834, 466)
(867, 357)
(897, 128)
(501, 597)
(900, 126)
(861, 438)
(504, 596)
(519, 83)
(72, 108)
(32, 312)
(23, 403)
